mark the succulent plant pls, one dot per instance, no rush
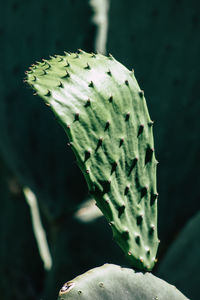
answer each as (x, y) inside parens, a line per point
(104, 113)
(111, 282)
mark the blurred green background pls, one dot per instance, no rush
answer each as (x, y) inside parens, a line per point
(160, 40)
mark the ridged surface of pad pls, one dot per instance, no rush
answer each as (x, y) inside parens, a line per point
(112, 282)
(103, 111)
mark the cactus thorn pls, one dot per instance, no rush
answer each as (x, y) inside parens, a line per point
(88, 102)
(33, 78)
(149, 154)
(151, 123)
(68, 64)
(58, 57)
(126, 82)
(107, 125)
(48, 93)
(121, 210)
(121, 142)
(87, 67)
(46, 62)
(141, 93)
(139, 219)
(87, 155)
(144, 191)
(141, 129)
(152, 229)
(127, 116)
(100, 140)
(109, 72)
(114, 166)
(99, 144)
(137, 239)
(60, 84)
(148, 251)
(110, 56)
(133, 164)
(127, 188)
(76, 116)
(125, 234)
(67, 75)
(110, 99)
(93, 55)
(153, 198)
(66, 53)
(91, 84)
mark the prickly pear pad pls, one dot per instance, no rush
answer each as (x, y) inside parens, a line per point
(103, 111)
(110, 282)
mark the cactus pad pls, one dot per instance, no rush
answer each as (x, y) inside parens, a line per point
(104, 113)
(113, 282)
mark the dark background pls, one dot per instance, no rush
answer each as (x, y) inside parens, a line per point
(160, 40)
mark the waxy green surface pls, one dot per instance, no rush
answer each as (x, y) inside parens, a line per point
(103, 111)
(112, 282)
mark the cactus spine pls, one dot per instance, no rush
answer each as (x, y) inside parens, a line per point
(104, 113)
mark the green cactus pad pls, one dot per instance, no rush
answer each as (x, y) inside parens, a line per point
(104, 113)
(112, 282)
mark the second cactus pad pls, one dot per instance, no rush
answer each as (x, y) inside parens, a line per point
(112, 282)
(103, 111)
